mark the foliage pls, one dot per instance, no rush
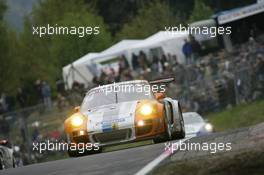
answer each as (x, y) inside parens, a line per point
(200, 11)
(149, 20)
(240, 116)
(8, 56)
(46, 56)
(2, 9)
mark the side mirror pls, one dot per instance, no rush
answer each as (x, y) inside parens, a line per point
(77, 109)
(159, 95)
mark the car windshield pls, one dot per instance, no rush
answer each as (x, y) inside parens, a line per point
(190, 119)
(99, 97)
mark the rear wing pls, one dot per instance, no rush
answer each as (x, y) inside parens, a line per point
(162, 81)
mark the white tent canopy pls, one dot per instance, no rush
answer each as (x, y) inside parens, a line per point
(78, 71)
(170, 42)
(84, 69)
(116, 50)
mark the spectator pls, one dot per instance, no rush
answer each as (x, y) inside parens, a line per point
(22, 97)
(22, 127)
(123, 64)
(46, 94)
(4, 127)
(35, 134)
(164, 62)
(259, 67)
(37, 87)
(3, 103)
(196, 47)
(174, 60)
(143, 62)
(112, 76)
(135, 63)
(126, 76)
(155, 64)
(60, 86)
(61, 101)
(187, 51)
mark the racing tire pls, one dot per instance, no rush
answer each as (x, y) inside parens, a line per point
(179, 134)
(73, 153)
(94, 151)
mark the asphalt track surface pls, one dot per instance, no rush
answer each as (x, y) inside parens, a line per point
(126, 161)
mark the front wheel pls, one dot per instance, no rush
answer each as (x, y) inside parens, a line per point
(167, 136)
(79, 153)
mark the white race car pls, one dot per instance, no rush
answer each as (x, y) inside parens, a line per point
(115, 117)
(195, 125)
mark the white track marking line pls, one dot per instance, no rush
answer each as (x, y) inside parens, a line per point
(150, 166)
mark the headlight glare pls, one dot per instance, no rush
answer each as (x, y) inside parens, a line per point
(146, 110)
(208, 127)
(77, 120)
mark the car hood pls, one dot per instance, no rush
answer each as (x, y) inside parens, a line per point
(113, 116)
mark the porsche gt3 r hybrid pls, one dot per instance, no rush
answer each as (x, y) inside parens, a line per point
(111, 115)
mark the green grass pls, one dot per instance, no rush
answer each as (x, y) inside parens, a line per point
(240, 116)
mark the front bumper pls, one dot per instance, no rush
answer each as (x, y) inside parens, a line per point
(152, 128)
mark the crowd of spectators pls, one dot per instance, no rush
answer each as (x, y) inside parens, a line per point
(41, 95)
(204, 82)
(200, 82)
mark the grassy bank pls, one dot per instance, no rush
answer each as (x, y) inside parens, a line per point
(239, 116)
(244, 163)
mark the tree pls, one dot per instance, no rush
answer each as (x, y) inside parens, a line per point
(2, 9)
(8, 57)
(47, 55)
(151, 19)
(200, 11)
(76, 45)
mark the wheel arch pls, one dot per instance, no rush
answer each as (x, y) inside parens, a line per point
(177, 113)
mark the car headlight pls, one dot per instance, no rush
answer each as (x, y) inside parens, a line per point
(208, 127)
(146, 109)
(77, 120)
